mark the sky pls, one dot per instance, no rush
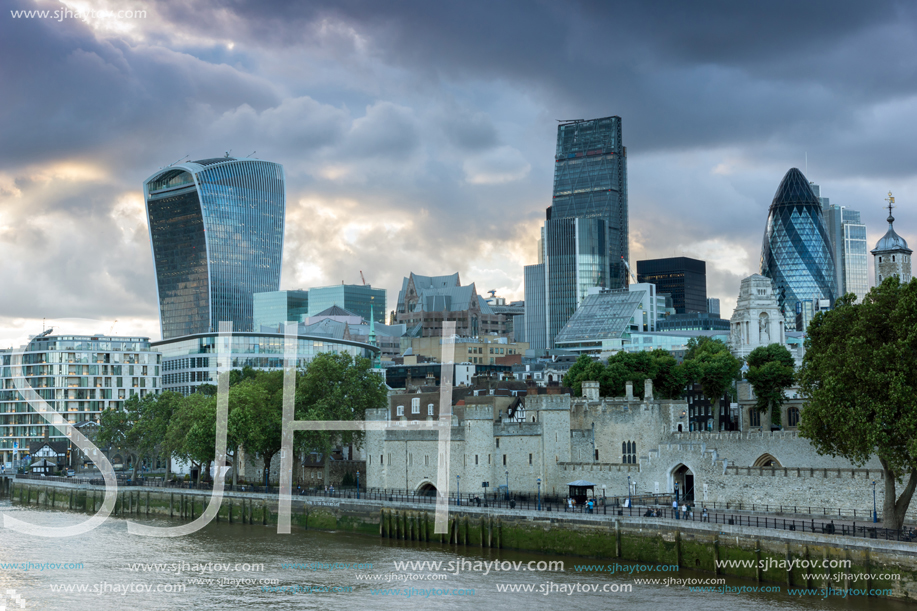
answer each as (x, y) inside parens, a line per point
(419, 136)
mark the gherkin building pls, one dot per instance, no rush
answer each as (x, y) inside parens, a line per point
(796, 253)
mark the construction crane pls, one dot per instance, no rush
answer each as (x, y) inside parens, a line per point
(493, 293)
(362, 277)
(624, 261)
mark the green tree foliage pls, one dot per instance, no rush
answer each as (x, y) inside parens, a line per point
(709, 362)
(659, 366)
(859, 375)
(336, 387)
(585, 369)
(771, 370)
(118, 432)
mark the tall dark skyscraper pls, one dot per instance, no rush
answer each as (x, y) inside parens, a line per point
(590, 181)
(216, 228)
(685, 279)
(797, 253)
(585, 235)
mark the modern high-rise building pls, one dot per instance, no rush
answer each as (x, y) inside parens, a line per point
(848, 244)
(713, 305)
(78, 376)
(278, 307)
(683, 278)
(891, 255)
(216, 228)
(590, 181)
(796, 253)
(358, 298)
(584, 241)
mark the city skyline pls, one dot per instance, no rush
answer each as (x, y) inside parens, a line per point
(408, 154)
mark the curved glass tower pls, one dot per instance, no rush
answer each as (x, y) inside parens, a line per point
(797, 253)
(216, 228)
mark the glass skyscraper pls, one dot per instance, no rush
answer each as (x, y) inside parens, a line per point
(274, 309)
(848, 244)
(354, 297)
(590, 181)
(684, 278)
(797, 253)
(216, 228)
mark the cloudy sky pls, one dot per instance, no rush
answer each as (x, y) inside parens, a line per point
(419, 136)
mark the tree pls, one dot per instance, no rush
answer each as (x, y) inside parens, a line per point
(117, 430)
(771, 370)
(585, 369)
(336, 387)
(192, 430)
(709, 362)
(153, 426)
(670, 379)
(859, 375)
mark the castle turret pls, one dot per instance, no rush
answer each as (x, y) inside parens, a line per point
(891, 255)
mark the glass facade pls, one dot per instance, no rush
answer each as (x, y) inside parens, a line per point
(575, 261)
(276, 308)
(683, 278)
(216, 228)
(354, 297)
(189, 362)
(78, 376)
(590, 181)
(797, 253)
(535, 322)
(848, 244)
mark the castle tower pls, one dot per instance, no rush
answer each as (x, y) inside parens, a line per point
(891, 255)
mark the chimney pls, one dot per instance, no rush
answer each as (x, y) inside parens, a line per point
(591, 391)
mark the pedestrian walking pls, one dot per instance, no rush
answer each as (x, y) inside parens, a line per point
(675, 509)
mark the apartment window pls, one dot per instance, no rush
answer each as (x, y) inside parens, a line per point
(399, 410)
(430, 409)
(530, 459)
(415, 406)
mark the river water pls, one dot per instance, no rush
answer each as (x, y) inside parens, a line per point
(252, 567)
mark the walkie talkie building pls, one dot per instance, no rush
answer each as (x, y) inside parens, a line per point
(797, 253)
(216, 228)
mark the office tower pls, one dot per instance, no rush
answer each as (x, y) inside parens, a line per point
(354, 297)
(891, 256)
(848, 245)
(575, 261)
(536, 329)
(216, 228)
(276, 308)
(713, 305)
(683, 278)
(590, 181)
(796, 253)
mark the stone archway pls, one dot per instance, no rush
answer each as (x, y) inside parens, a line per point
(767, 460)
(683, 478)
(426, 488)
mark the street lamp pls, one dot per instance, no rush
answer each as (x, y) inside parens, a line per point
(875, 514)
(507, 485)
(539, 495)
(458, 490)
(358, 484)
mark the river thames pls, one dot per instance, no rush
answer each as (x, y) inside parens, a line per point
(252, 567)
